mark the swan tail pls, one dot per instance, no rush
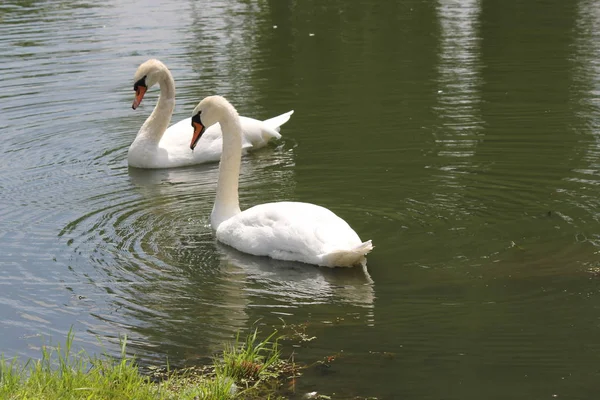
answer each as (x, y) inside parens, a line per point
(271, 125)
(276, 122)
(348, 258)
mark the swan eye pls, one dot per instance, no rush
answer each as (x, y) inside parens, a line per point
(141, 82)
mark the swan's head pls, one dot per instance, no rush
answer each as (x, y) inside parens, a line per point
(208, 112)
(146, 76)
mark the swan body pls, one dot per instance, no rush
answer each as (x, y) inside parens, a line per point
(157, 146)
(291, 231)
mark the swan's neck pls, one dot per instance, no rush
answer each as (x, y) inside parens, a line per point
(158, 122)
(227, 202)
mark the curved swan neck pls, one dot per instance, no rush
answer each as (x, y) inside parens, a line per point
(158, 122)
(227, 202)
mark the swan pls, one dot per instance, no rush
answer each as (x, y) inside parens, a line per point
(155, 146)
(284, 230)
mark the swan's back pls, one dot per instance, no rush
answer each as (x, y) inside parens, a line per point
(290, 231)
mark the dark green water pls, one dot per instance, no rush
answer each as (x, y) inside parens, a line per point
(462, 137)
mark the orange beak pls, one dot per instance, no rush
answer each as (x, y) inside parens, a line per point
(198, 131)
(140, 91)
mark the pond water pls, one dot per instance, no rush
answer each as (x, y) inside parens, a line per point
(462, 137)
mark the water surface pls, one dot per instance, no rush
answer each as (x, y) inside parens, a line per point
(460, 136)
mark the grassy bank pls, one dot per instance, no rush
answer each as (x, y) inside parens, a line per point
(249, 368)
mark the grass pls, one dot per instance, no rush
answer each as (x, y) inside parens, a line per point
(241, 372)
(251, 360)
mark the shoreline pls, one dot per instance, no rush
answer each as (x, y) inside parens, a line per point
(251, 367)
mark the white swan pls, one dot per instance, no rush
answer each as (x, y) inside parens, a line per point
(284, 230)
(155, 146)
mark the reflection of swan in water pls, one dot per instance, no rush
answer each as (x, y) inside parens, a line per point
(293, 283)
(253, 169)
(149, 181)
